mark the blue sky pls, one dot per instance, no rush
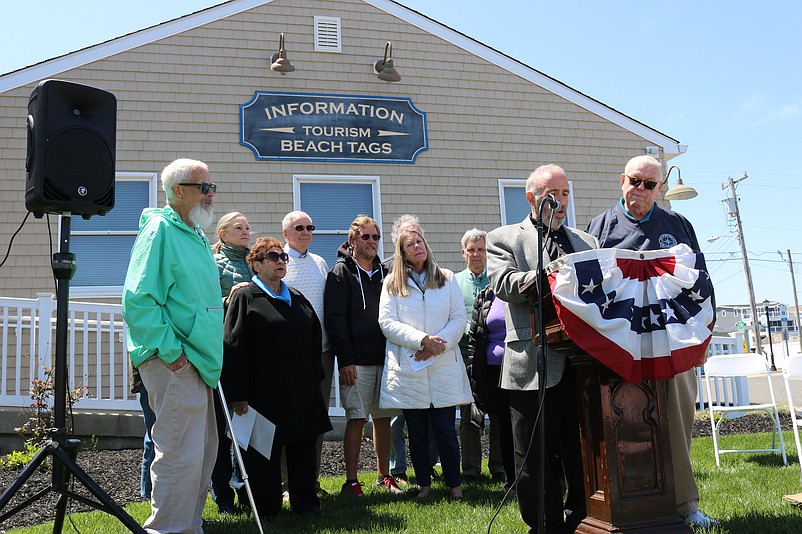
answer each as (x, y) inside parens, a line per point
(721, 76)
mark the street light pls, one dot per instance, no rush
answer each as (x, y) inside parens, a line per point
(768, 333)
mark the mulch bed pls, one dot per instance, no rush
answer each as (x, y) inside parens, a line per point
(117, 471)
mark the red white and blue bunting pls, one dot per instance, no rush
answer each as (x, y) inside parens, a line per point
(645, 314)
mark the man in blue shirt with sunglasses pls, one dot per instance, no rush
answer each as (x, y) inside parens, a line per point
(638, 223)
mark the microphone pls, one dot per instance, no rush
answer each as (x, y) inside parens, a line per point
(554, 204)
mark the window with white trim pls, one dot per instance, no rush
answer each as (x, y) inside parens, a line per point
(102, 245)
(514, 206)
(333, 202)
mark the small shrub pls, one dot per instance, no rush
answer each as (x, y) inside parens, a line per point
(36, 430)
(19, 459)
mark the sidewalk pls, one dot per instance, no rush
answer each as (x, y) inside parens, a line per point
(759, 390)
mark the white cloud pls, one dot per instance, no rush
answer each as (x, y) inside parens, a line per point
(756, 111)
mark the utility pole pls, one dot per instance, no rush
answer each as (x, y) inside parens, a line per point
(733, 205)
(796, 300)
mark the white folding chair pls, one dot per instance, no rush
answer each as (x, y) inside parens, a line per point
(739, 365)
(792, 370)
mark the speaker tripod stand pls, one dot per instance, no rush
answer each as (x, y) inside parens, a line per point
(62, 450)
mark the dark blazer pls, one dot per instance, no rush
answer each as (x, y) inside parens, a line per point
(271, 358)
(512, 261)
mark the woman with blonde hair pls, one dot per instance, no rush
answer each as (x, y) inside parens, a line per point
(230, 253)
(422, 314)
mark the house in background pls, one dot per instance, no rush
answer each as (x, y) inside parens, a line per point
(781, 320)
(453, 146)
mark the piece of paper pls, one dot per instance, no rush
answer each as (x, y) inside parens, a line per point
(262, 436)
(416, 365)
(242, 425)
(255, 430)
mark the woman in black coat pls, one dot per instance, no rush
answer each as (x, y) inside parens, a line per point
(271, 363)
(486, 351)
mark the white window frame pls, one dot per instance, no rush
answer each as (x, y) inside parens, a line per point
(570, 219)
(116, 291)
(374, 181)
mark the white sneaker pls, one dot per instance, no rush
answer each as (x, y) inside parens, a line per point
(700, 520)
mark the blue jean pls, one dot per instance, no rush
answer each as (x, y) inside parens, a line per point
(398, 446)
(226, 470)
(440, 422)
(145, 485)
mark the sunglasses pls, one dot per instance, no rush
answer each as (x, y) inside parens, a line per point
(301, 227)
(204, 186)
(647, 184)
(275, 256)
(368, 237)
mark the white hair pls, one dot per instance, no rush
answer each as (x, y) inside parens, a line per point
(285, 222)
(178, 172)
(474, 234)
(406, 218)
(644, 159)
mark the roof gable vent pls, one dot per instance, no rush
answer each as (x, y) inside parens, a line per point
(327, 34)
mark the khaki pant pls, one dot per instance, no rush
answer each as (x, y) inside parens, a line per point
(681, 402)
(471, 445)
(185, 438)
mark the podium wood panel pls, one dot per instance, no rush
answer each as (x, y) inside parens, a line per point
(626, 455)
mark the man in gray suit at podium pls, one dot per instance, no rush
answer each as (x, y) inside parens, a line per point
(512, 262)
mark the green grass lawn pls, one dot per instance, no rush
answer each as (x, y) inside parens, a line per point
(745, 494)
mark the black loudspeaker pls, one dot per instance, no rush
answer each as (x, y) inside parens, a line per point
(71, 149)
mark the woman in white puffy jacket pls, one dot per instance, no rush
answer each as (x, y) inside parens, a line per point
(422, 314)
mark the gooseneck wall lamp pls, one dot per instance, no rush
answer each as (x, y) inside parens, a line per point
(279, 61)
(384, 68)
(679, 191)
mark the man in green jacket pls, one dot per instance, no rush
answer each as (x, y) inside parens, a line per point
(171, 305)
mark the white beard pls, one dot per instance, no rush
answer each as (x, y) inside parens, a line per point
(200, 216)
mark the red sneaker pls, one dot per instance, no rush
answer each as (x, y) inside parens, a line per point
(389, 484)
(352, 489)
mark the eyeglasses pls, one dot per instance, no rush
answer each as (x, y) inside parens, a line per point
(275, 256)
(301, 227)
(368, 237)
(204, 186)
(647, 184)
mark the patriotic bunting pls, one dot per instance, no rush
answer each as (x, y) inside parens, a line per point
(645, 314)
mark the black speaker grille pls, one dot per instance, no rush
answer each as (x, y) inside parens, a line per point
(79, 165)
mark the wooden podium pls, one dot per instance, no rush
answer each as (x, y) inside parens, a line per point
(626, 455)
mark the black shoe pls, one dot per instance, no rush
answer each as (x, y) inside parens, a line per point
(471, 478)
(314, 511)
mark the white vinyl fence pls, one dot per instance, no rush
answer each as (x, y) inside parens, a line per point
(96, 353)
